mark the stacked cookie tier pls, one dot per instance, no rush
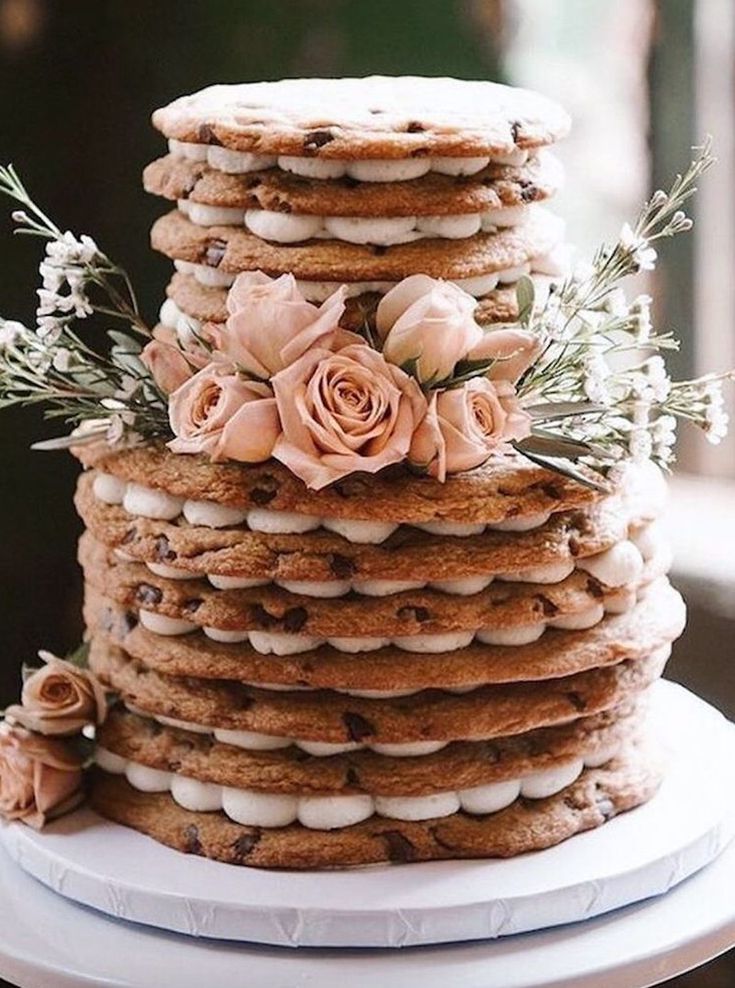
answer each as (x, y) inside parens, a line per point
(360, 182)
(391, 669)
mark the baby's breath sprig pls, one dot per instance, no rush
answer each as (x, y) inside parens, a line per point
(97, 391)
(599, 390)
(72, 266)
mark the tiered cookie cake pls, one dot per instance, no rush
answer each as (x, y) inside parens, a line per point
(388, 668)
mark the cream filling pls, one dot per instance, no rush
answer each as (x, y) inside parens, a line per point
(149, 502)
(370, 170)
(291, 228)
(260, 809)
(254, 808)
(319, 291)
(288, 643)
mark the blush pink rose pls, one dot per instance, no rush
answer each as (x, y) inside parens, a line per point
(514, 350)
(59, 698)
(270, 323)
(343, 412)
(463, 426)
(219, 413)
(39, 777)
(170, 363)
(430, 322)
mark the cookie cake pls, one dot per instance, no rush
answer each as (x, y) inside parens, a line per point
(372, 559)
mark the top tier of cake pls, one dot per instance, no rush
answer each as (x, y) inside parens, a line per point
(362, 182)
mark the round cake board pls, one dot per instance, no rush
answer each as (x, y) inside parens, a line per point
(633, 857)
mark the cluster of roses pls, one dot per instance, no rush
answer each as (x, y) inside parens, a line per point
(281, 378)
(41, 758)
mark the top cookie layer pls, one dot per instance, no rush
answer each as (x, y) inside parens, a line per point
(374, 117)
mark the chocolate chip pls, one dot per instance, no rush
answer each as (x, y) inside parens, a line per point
(295, 618)
(413, 613)
(130, 535)
(398, 846)
(265, 491)
(548, 606)
(574, 546)
(261, 617)
(147, 594)
(414, 127)
(357, 726)
(192, 844)
(529, 192)
(594, 588)
(379, 249)
(259, 495)
(128, 621)
(342, 567)
(245, 844)
(207, 136)
(419, 153)
(351, 778)
(577, 700)
(316, 139)
(553, 491)
(215, 252)
(163, 549)
(190, 606)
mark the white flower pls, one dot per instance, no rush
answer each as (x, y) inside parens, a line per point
(641, 252)
(49, 328)
(595, 378)
(715, 428)
(616, 304)
(640, 445)
(641, 312)
(658, 379)
(10, 333)
(68, 251)
(663, 435)
(62, 360)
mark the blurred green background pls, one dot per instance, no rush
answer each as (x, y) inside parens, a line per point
(79, 81)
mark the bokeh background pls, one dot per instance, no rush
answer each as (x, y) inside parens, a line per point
(644, 80)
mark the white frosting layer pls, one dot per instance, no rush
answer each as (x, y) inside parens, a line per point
(151, 503)
(292, 228)
(262, 809)
(369, 170)
(319, 291)
(287, 643)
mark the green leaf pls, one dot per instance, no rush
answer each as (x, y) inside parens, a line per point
(525, 297)
(124, 342)
(550, 410)
(548, 444)
(410, 367)
(566, 469)
(80, 656)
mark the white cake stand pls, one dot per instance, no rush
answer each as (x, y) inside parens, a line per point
(632, 858)
(636, 856)
(49, 942)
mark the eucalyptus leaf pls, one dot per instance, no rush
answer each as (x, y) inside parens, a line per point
(124, 341)
(551, 445)
(65, 442)
(550, 410)
(79, 657)
(566, 469)
(525, 297)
